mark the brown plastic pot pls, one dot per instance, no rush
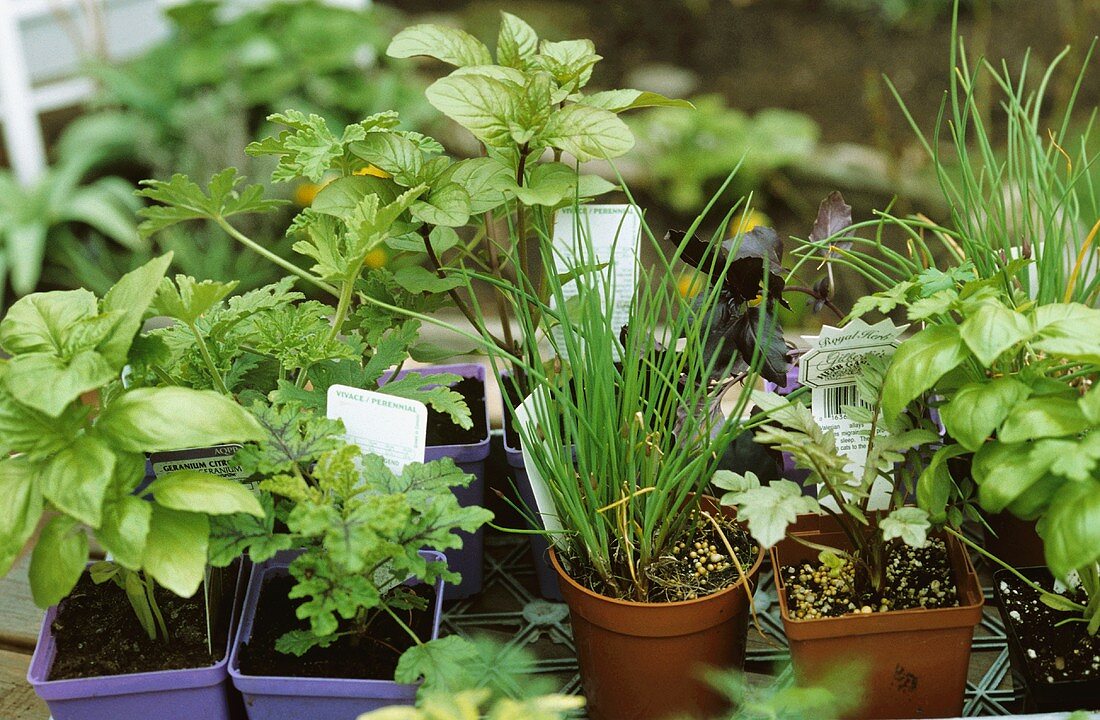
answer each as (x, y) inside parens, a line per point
(915, 661)
(1014, 540)
(643, 661)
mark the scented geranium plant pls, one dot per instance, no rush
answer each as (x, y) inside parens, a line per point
(73, 438)
(898, 445)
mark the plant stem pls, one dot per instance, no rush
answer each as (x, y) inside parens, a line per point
(458, 301)
(281, 262)
(219, 382)
(150, 589)
(990, 556)
(401, 624)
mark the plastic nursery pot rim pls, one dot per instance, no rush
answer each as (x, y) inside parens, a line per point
(750, 573)
(966, 613)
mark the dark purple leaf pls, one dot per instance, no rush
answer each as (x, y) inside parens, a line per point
(745, 277)
(822, 293)
(833, 217)
(695, 250)
(759, 328)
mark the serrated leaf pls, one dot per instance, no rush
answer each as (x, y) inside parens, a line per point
(181, 199)
(587, 133)
(443, 664)
(618, 101)
(517, 42)
(446, 205)
(769, 510)
(483, 105)
(431, 389)
(394, 154)
(187, 299)
(484, 180)
(446, 44)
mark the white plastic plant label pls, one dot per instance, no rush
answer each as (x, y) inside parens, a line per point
(527, 414)
(830, 369)
(612, 232)
(216, 460)
(393, 427)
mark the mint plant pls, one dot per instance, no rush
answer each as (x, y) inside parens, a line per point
(532, 118)
(897, 445)
(73, 438)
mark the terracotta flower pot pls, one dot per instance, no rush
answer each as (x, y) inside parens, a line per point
(915, 661)
(642, 661)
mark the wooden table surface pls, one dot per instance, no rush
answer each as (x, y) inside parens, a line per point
(19, 624)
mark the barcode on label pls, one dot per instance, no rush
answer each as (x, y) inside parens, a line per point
(834, 398)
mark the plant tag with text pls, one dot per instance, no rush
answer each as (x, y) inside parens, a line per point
(393, 427)
(609, 235)
(830, 369)
(216, 460)
(527, 414)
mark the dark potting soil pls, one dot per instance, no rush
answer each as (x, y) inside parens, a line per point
(696, 566)
(371, 658)
(98, 634)
(1052, 653)
(443, 431)
(915, 578)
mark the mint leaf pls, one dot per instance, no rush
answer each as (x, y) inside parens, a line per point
(446, 44)
(618, 101)
(485, 106)
(517, 42)
(587, 133)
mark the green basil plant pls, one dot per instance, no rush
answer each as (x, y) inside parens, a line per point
(73, 438)
(1015, 385)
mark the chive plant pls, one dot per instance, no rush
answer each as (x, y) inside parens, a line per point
(627, 427)
(1021, 186)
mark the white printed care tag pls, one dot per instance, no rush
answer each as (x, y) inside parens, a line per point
(830, 368)
(610, 233)
(527, 414)
(214, 460)
(395, 428)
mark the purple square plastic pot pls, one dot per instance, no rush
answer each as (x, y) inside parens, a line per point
(196, 693)
(468, 560)
(301, 698)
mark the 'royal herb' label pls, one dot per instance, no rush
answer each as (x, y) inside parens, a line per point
(395, 428)
(830, 369)
(216, 460)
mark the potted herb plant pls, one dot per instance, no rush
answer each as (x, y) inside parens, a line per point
(73, 443)
(876, 587)
(1015, 384)
(361, 532)
(621, 444)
